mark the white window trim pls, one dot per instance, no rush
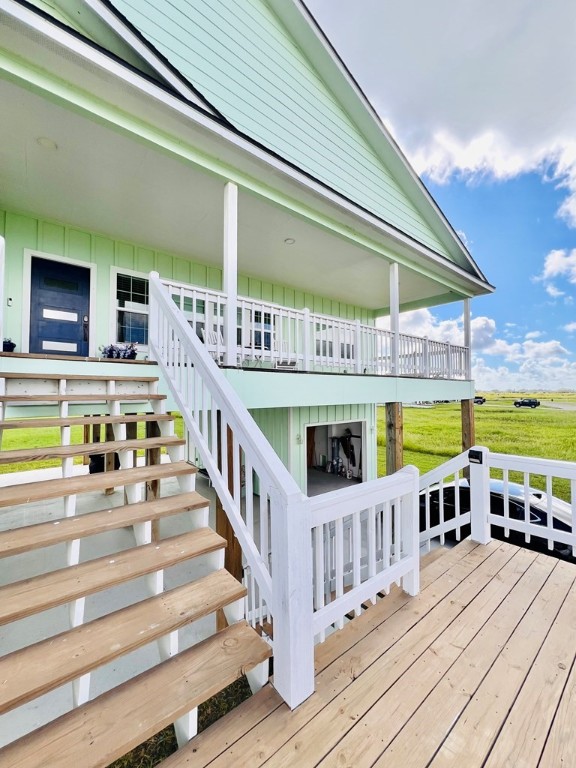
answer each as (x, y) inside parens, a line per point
(27, 285)
(114, 272)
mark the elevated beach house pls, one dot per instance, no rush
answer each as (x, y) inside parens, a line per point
(206, 180)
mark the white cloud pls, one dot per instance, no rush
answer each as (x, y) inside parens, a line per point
(473, 89)
(554, 292)
(570, 328)
(534, 335)
(559, 263)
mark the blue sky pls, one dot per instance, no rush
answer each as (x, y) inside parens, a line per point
(480, 95)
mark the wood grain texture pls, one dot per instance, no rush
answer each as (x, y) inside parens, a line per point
(97, 733)
(31, 537)
(23, 598)
(82, 449)
(37, 669)
(51, 489)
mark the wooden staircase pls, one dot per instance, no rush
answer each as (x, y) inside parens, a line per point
(99, 588)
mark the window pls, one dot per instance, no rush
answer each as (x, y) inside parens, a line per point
(131, 309)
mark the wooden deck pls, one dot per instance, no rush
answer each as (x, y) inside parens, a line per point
(478, 670)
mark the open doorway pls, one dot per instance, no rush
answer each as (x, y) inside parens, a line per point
(334, 454)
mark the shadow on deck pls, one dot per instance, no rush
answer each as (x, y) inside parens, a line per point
(478, 670)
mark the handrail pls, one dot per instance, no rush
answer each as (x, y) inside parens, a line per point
(237, 454)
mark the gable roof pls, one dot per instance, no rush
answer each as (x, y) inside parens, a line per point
(266, 68)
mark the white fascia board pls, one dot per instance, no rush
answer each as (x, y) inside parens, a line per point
(249, 153)
(146, 52)
(303, 26)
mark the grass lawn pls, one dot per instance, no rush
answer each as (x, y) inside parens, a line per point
(433, 435)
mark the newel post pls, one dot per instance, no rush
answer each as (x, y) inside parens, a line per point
(479, 494)
(292, 598)
(410, 511)
(153, 320)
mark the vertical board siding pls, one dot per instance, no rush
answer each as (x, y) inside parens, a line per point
(274, 423)
(26, 232)
(241, 58)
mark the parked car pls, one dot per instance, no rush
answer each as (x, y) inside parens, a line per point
(538, 506)
(479, 400)
(527, 402)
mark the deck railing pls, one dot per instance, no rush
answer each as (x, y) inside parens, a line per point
(361, 539)
(364, 538)
(274, 335)
(529, 500)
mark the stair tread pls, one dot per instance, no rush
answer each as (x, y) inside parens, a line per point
(30, 537)
(83, 420)
(83, 449)
(24, 598)
(68, 486)
(96, 733)
(58, 660)
(77, 398)
(75, 377)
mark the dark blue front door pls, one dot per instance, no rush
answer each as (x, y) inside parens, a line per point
(60, 302)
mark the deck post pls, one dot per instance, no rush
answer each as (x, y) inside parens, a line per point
(230, 273)
(411, 533)
(468, 424)
(292, 598)
(394, 317)
(479, 494)
(394, 438)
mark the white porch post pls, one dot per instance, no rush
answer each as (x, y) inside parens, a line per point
(468, 338)
(230, 271)
(394, 315)
(2, 279)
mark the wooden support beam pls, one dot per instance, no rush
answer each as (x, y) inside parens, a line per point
(468, 424)
(233, 551)
(394, 437)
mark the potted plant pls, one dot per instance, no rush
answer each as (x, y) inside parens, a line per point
(127, 351)
(8, 345)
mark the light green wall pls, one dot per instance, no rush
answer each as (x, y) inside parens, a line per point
(274, 423)
(23, 231)
(243, 60)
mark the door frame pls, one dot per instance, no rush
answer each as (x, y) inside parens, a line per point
(27, 287)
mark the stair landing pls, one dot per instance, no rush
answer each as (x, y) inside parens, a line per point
(477, 670)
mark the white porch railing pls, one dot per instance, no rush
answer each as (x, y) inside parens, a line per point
(361, 539)
(502, 497)
(364, 539)
(271, 334)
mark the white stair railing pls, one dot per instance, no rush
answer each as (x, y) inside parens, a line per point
(223, 431)
(360, 539)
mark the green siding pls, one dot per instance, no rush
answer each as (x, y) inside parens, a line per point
(241, 58)
(274, 423)
(57, 239)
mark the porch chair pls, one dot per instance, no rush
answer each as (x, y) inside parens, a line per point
(214, 342)
(282, 359)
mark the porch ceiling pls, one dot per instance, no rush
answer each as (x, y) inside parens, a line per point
(106, 181)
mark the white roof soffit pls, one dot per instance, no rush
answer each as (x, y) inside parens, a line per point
(148, 101)
(304, 27)
(121, 27)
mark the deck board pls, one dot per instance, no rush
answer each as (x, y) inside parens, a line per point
(477, 670)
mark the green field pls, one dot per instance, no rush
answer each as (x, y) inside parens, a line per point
(433, 435)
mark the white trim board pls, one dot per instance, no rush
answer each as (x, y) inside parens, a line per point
(26, 290)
